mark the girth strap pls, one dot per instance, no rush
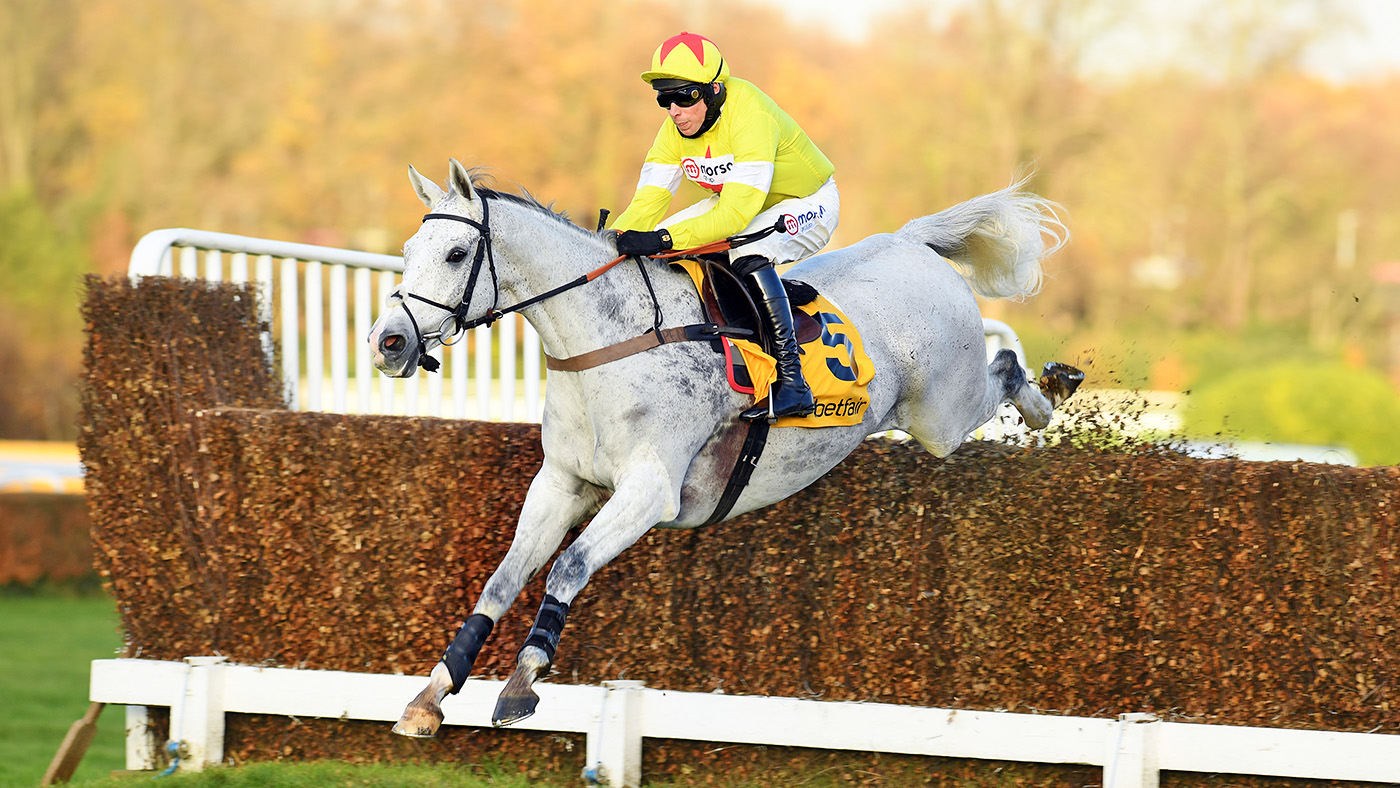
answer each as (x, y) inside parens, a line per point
(630, 347)
(754, 444)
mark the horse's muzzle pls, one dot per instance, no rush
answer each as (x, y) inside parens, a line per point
(395, 353)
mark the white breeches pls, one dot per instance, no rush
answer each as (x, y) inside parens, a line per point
(808, 224)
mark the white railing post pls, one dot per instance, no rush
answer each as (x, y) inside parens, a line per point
(238, 268)
(315, 337)
(214, 266)
(197, 722)
(481, 339)
(189, 263)
(435, 381)
(1131, 760)
(386, 383)
(507, 369)
(364, 319)
(141, 745)
(291, 335)
(460, 373)
(340, 331)
(263, 275)
(615, 753)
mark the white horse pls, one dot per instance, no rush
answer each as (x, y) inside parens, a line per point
(651, 439)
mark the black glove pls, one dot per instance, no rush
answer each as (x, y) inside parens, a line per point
(637, 242)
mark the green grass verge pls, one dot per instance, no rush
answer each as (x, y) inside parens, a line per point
(47, 642)
(337, 774)
(329, 774)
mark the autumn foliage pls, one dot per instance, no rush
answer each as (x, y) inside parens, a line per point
(1056, 580)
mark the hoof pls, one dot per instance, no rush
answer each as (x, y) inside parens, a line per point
(1059, 382)
(420, 720)
(518, 700)
(512, 708)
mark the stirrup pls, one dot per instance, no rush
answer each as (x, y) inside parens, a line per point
(764, 409)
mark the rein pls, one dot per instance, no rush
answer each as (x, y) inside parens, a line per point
(457, 316)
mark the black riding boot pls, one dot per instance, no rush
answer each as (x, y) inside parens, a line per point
(791, 396)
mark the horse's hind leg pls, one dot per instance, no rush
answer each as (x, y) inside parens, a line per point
(555, 503)
(642, 500)
(1035, 402)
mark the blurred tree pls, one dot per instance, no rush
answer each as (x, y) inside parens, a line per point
(40, 338)
(35, 52)
(1247, 45)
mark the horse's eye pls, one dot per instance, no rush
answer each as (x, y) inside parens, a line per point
(456, 255)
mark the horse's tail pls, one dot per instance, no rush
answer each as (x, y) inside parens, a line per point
(995, 241)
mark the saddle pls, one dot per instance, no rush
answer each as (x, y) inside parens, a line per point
(729, 304)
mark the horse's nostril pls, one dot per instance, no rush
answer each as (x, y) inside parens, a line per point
(394, 343)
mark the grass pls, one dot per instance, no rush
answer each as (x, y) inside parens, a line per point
(47, 641)
(337, 774)
(329, 774)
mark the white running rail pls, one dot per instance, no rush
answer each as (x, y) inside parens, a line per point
(321, 301)
(1132, 750)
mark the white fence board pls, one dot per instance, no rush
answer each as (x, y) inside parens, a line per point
(1277, 752)
(138, 682)
(1132, 750)
(876, 727)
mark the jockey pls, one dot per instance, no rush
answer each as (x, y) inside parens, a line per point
(727, 136)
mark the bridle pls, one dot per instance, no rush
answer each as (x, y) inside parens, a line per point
(457, 316)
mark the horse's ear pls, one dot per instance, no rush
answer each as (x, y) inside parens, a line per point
(459, 180)
(428, 191)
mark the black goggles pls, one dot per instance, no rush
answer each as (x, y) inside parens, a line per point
(684, 97)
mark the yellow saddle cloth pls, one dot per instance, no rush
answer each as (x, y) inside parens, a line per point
(834, 364)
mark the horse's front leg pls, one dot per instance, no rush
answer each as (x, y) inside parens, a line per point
(556, 502)
(644, 498)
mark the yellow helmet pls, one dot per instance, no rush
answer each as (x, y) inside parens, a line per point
(690, 57)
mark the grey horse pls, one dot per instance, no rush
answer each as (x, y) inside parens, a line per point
(650, 439)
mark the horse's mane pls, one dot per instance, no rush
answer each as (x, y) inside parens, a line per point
(484, 185)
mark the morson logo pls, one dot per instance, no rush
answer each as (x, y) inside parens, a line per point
(802, 222)
(707, 172)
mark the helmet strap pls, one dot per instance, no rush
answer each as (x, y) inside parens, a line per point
(713, 104)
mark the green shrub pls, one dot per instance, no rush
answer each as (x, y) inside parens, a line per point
(1323, 404)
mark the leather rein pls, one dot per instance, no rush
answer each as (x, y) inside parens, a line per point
(655, 337)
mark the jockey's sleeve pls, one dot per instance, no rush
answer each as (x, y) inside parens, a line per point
(661, 177)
